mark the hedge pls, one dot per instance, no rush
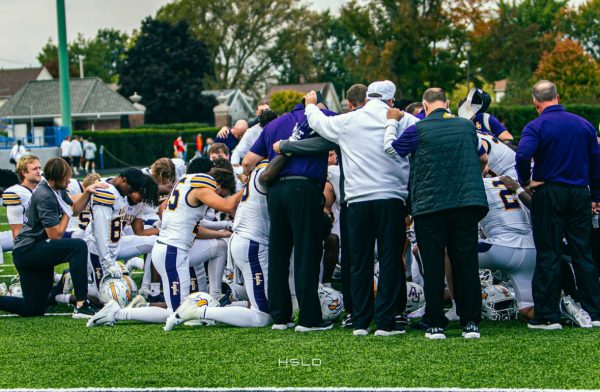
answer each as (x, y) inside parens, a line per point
(141, 147)
(177, 126)
(516, 117)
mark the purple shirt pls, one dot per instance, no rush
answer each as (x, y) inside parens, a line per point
(496, 127)
(293, 126)
(421, 115)
(565, 150)
(230, 141)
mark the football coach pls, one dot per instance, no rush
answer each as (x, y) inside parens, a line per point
(567, 165)
(447, 201)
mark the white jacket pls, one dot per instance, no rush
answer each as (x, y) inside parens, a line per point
(369, 173)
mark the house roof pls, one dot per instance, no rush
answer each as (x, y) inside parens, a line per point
(11, 80)
(231, 94)
(301, 88)
(89, 96)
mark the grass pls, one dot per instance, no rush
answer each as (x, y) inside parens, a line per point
(54, 352)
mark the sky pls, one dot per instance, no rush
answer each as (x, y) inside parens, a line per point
(27, 24)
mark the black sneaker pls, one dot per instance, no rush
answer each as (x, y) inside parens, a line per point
(401, 320)
(471, 331)
(397, 330)
(324, 326)
(347, 322)
(435, 333)
(85, 311)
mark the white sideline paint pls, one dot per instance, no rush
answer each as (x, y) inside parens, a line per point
(315, 389)
(45, 314)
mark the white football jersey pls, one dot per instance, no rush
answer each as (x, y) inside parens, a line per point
(333, 175)
(179, 219)
(16, 199)
(501, 158)
(180, 167)
(507, 222)
(74, 188)
(252, 216)
(110, 214)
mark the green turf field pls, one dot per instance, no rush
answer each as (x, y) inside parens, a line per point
(53, 352)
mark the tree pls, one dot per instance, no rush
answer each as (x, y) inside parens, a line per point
(240, 36)
(284, 101)
(583, 25)
(575, 73)
(102, 55)
(166, 66)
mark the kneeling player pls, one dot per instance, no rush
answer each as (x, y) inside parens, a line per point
(249, 247)
(186, 205)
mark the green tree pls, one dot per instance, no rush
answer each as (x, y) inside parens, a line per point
(240, 36)
(166, 66)
(583, 24)
(284, 101)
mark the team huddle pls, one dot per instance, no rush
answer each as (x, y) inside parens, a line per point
(199, 232)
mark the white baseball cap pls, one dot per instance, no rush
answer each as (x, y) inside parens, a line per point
(382, 90)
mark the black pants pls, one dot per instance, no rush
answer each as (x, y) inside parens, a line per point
(35, 264)
(296, 215)
(381, 221)
(558, 210)
(455, 230)
(345, 259)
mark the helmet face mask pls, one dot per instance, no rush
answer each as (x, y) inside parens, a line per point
(478, 101)
(498, 303)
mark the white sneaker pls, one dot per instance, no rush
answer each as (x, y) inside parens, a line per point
(419, 313)
(106, 316)
(134, 263)
(451, 313)
(200, 323)
(548, 326)
(323, 326)
(282, 327)
(435, 333)
(573, 311)
(172, 321)
(138, 302)
(360, 332)
(596, 323)
(382, 332)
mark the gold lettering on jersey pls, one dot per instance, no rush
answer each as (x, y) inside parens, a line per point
(98, 274)
(175, 288)
(258, 278)
(478, 125)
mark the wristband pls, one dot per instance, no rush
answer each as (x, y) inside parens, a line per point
(519, 191)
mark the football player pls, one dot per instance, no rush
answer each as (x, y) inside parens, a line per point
(186, 205)
(8, 178)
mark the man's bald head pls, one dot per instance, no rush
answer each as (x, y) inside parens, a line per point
(240, 128)
(545, 91)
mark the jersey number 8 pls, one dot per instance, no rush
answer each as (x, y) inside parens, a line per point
(115, 230)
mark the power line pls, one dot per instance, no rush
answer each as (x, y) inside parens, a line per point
(14, 61)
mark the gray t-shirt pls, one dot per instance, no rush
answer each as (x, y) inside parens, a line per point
(44, 211)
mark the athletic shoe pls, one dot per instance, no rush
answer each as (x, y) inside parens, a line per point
(347, 321)
(419, 313)
(172, 321)
(546, 325)
(106, 316)
(401, 321)
(137, 302)
(323, 326)
(397, 330)
(85, 311)
(130, 264)
(200, 323)
(435, 333)
(337, 273)
(572, 311)
(282, 327)
(223, 300)
(54, 291)
(595, 323)
(471, 331)
(360, 332)
(144, 292)
(451, 313)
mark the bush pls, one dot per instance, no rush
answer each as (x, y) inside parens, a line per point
(178, 126)
(516, 117)
(284, 101)
(141, 147)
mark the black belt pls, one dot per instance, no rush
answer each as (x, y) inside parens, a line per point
(287, 178)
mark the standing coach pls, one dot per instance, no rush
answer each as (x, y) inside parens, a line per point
(448, 200)
(567, 164)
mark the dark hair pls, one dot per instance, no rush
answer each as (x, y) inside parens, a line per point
(18, 142)
(216, 147)
(434, 94)
(402, 103)
(544, 91)
(199, 165)
(8, 178)
(266, 117)
(149, 191)
(411, 107)
(222, 163)
(135, 178)
(56, 169)
(357, 94)
(224, 178)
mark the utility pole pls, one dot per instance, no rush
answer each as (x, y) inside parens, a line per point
(81, 58)
(468, 47)
(63, 65)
